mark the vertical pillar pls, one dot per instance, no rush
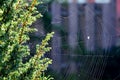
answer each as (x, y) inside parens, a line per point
(89, 27)
(118, 22)
(118, 9)
(72, 32)
(56, 41)
(73, 25)
(109, 25)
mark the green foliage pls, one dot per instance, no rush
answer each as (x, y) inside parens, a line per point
(15, 18)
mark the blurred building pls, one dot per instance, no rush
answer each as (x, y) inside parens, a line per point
(95, 22)
(83, 28)
(90, 26)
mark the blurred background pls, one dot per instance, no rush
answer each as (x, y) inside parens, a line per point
(86, 43)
